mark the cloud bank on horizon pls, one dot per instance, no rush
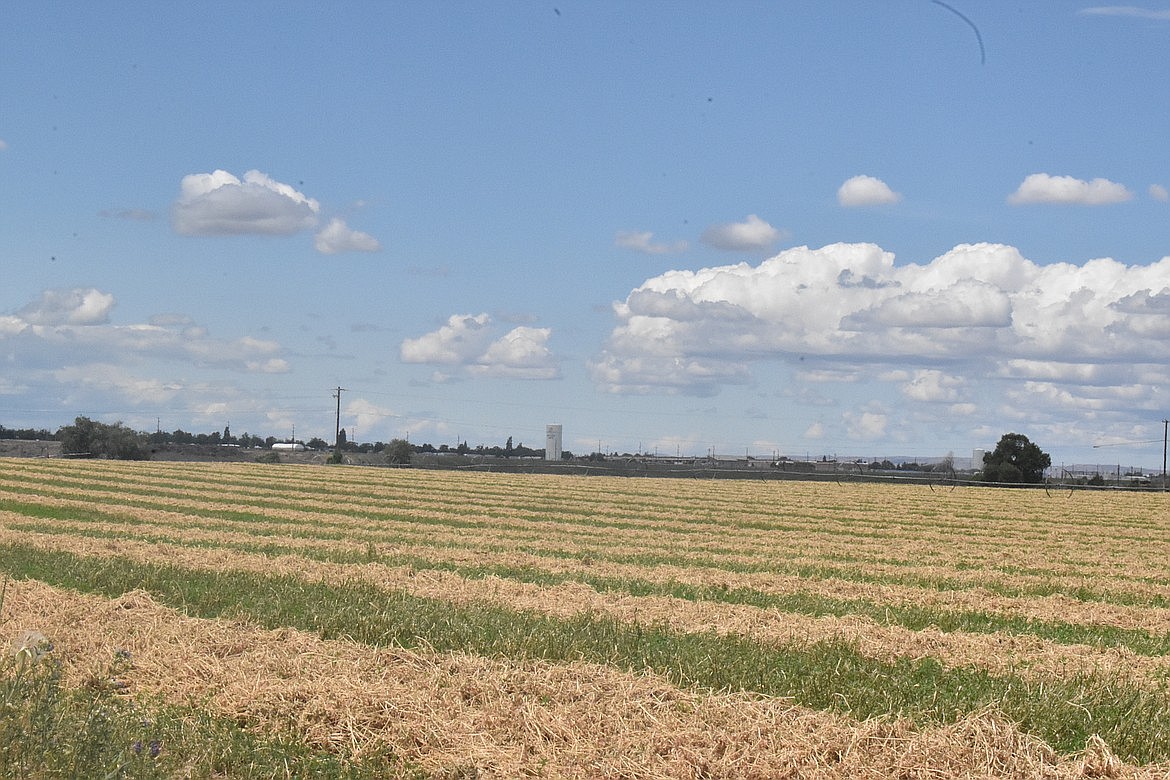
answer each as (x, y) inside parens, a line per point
(979, 312)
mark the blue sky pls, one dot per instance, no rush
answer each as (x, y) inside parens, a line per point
(843, 228)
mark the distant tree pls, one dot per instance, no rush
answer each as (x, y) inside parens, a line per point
(1015, 460)
(27, 434)
(508, 448)
(100, 440)
(947, 464)
(316, 443)
(227, 435)
(398, 452)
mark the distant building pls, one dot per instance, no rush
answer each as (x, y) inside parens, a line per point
(552, 442)
(977, 459)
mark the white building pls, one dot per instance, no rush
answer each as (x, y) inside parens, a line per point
(552, 442)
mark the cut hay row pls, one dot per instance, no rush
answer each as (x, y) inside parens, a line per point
(940, 538)
(1127, 573)
(1091, 517)
(982, 559)
(1029, 657)
(452, 713)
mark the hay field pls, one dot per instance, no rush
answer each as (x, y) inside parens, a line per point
(491, 625)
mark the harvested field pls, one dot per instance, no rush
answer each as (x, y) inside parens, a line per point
(524, 625)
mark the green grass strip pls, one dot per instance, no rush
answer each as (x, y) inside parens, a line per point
(908, 616)
(826, 676)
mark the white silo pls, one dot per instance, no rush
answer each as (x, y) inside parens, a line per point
(552, 442)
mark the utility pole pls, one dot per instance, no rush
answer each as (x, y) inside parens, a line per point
(1165, 428)
(337, 429)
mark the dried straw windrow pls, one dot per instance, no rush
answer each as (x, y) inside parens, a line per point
(972, 537)
(497, 718)
(1027, 656)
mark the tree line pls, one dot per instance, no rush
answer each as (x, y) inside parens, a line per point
(1015, 459)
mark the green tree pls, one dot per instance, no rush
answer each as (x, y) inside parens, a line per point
(399, 452)
(99, 440)
(1015, 460)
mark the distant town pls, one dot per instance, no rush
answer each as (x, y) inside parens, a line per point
(86, 438)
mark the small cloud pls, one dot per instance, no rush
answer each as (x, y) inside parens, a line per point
(467, 342)
(338, 237)
(1125, 10)
(463, 338)
(1042, 188)
(78, 306)
(750, 235)
(643, 242)
(866, 191)
(135, 215)
(216, 204)
(3, 145)
(1159, 193)
(866, 425)
(522, 353)
(270, 366)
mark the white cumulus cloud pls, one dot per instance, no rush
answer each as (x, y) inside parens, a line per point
(942, 332)
(470, 344)
(521, 353)
(339, 237)
(752, 234)
(463, 338)
(77, 306)
(932, 385)
(218, 203)
(1159, 193)
(866, 191)
(1043, 188)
